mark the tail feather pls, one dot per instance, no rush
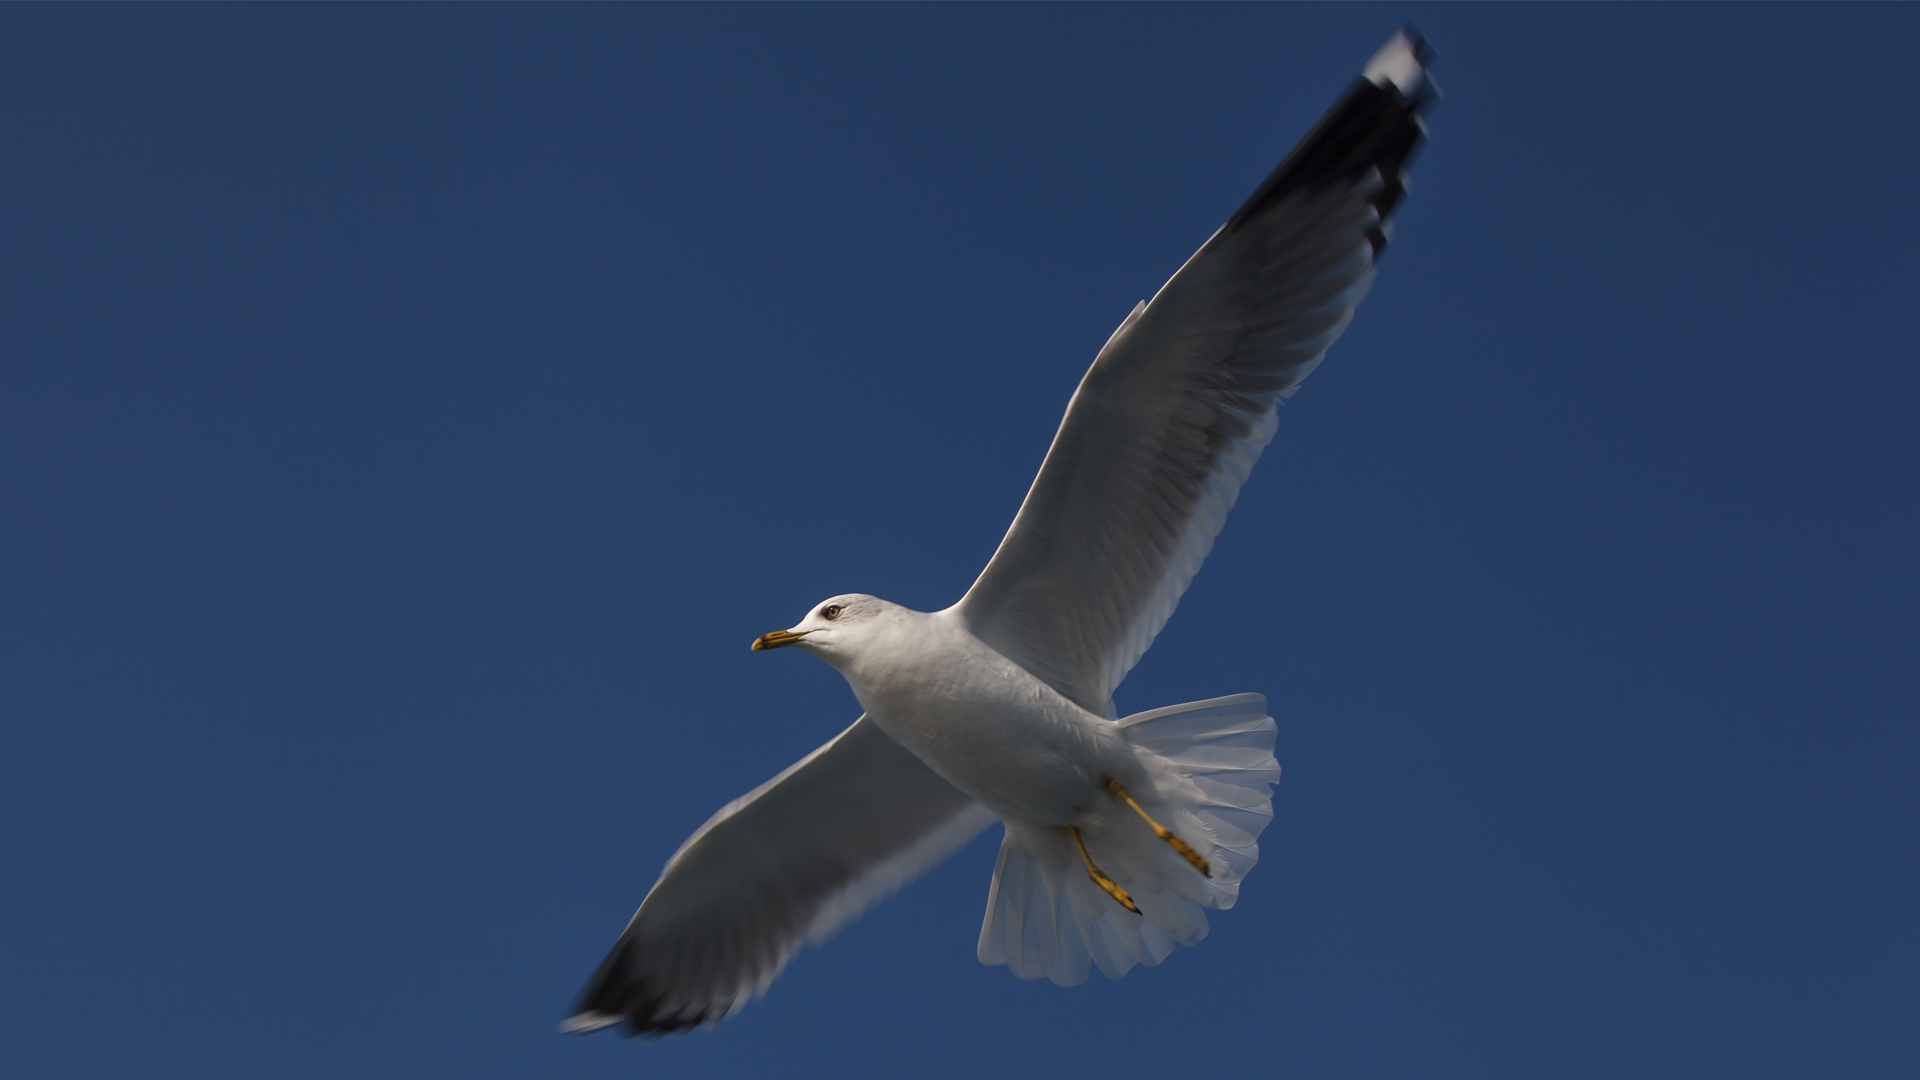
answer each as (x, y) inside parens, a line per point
(1045, 919)
(1214, 770)
(1223, 747)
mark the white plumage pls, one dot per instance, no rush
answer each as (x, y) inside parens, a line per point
(1001, 706)
(1046, 918)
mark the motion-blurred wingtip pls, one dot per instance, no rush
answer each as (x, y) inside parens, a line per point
(1402, 63)
(581, 1023)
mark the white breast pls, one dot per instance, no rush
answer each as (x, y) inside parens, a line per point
(987, 725)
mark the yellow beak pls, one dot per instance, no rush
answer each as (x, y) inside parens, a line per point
(778, 638)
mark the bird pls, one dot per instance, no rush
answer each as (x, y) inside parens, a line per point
(1120, 833)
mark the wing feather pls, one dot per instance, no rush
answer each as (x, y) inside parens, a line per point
(792, 861)
(1174, 412)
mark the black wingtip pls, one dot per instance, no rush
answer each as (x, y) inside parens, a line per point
(1375, 126)
(616, 995)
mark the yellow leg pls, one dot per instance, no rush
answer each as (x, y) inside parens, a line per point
(1161, 831)
(1113, 887)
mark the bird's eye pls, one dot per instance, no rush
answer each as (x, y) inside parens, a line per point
(831, 611)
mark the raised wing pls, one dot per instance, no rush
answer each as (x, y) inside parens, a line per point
(794, 860)
(1174, 412)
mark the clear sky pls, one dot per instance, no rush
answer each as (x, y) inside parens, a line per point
(409, 414)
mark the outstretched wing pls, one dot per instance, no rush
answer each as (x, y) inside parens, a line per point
(792, 861)
(1177, 407)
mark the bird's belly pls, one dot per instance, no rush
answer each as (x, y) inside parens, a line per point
(1005, 738)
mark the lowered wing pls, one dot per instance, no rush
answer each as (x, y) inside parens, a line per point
(792, 861)
(1174, 412)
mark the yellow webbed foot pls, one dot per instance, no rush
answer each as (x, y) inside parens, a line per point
(1113, 887)
(1186, 850)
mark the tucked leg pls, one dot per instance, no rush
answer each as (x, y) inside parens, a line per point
(1113, 887)
(1160, 831)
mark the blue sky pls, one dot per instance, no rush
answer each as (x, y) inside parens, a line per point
(408, 415)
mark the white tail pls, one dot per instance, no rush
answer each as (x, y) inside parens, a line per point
(1213, 768)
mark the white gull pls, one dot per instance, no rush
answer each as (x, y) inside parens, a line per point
(1119, 832)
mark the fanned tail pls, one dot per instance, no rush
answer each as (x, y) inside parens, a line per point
(1213, 768)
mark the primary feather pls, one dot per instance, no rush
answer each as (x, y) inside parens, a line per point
(1177, 407)
(792, 860)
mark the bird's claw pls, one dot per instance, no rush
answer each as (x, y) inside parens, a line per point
(1186, 850)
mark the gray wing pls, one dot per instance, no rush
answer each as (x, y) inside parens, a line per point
(1168, 422)
(792, 861)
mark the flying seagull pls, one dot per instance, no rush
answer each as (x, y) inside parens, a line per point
(1119, 832)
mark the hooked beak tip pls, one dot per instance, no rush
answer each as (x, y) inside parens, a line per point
(777, 639)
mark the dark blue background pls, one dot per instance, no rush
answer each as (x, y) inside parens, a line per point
(408, 415)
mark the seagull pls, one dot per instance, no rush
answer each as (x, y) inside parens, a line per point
(1120, 832)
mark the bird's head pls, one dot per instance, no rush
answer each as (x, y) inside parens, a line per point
(835, 628)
